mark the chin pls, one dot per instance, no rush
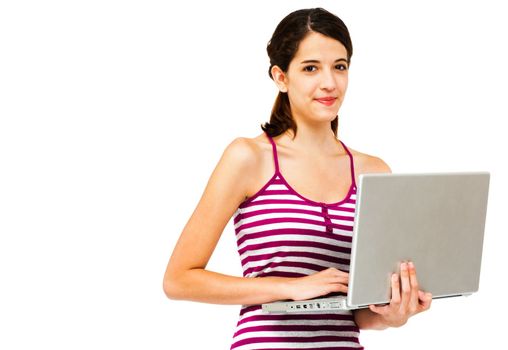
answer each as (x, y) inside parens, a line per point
(327, 117)
(320, 116)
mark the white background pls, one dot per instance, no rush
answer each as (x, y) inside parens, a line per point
(114, 113)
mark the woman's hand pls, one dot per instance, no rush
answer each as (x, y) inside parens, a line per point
(318, 284)
(407, 300)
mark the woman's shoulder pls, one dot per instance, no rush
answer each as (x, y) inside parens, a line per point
(244, 155)
(246, 148)
(245, 152)
(368, 163)
(249, 144)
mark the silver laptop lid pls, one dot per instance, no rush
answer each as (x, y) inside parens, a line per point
(435, 220)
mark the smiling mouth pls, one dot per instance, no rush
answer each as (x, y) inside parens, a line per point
(327, 101)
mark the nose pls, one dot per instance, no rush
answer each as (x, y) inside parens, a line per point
(328, 80)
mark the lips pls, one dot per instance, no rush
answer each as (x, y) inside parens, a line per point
(328, 101)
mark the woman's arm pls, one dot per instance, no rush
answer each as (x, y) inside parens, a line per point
(366, 319)
(186, 276)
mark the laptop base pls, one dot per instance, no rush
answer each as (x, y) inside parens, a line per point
(314, 305)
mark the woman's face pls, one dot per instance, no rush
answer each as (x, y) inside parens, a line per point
(318, 70)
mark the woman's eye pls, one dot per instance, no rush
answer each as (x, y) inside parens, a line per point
(341, 67)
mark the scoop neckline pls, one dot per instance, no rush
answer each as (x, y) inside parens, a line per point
(347, 197)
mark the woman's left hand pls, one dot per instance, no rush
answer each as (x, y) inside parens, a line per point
(407, 299)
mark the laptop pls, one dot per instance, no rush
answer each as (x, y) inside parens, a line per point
(436, 220)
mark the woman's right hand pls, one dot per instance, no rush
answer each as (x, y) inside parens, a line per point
(319, 284)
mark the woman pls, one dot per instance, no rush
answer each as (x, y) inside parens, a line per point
(292, 193)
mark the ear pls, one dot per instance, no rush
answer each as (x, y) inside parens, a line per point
(279, 77)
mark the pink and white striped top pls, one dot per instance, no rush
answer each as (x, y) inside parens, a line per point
(281, 233)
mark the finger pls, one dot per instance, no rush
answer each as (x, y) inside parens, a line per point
(343, 288)
(380, 310)
(413, 281)
(341, 274)
(396, 299)
(338, 287)
(337, 279)
(406, 287)
(336, 273)
(425, 300)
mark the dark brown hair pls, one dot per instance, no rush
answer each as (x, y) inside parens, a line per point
(282, 48)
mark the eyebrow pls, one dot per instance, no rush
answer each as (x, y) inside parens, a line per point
(316, 61)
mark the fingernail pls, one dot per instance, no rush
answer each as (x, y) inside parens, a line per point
(411, 265)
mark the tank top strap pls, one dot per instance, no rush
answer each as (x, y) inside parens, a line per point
(274, 150)
(351, 162)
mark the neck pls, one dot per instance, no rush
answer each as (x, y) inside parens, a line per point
(312, 140)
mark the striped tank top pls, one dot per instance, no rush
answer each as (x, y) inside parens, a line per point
(281, 233)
